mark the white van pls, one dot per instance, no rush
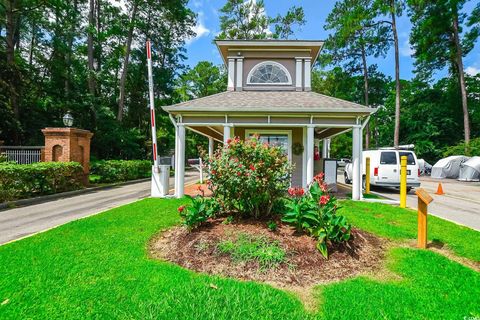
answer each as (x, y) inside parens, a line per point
(385, 168)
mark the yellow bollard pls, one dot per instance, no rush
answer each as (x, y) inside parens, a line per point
(403, 181)
(367, 175)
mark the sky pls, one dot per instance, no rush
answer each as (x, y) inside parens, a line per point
(202, 48)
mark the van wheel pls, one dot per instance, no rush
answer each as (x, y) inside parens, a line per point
(347, 181)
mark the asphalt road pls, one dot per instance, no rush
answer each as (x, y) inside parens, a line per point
(460, 203)
(24, 221)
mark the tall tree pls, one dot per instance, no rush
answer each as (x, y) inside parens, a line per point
(247, 20)
(438, 39)
(392, 9)
(354, 36)
(203, 80)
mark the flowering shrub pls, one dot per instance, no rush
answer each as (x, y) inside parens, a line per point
(314, 212)
(247, 177)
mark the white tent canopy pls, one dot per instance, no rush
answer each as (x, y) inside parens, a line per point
(448, 167)
(470, 170)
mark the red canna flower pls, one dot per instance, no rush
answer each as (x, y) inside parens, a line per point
(324, 200)
(252, 167)
(229, 140)
(181, 208)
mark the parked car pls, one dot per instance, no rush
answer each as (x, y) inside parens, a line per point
(385, 168)
(342, 162)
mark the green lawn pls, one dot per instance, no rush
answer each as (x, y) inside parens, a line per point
(98, 268)
(401, 224)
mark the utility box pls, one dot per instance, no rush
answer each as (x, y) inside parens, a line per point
(160, 181)
(329, 168)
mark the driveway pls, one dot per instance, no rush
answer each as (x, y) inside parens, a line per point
(25, 221)
(460, 203)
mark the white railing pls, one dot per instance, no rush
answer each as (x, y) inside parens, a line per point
(22, 155)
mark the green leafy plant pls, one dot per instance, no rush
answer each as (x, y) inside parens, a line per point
(247, 177)
(245, 247)
(272, 226)
(229, 220)
(199, 211)
(314, 212)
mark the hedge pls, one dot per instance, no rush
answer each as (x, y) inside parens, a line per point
(119, 170)
(19, 181)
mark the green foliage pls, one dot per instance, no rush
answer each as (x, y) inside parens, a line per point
(473, 149)
(272, 226)
(247, 177)
(203, 80)
(199, 211)
(314, 212)
(19, 181)
(247, 20)
(245, 248)
(120, 170)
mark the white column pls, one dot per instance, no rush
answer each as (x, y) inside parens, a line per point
(175, 158)
(328, 146)
(298, 75)
(239, 74)
(324, 149)
(226, 133)
(210, 147)
(307, 72)
(309, 148)
(304, 158)
(356, 164)
(231, 74)
(180, 173)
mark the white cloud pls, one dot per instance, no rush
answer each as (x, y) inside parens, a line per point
(197, 3)
(405, 49)
(472, 70)
(200, 30)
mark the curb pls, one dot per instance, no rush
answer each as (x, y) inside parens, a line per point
(55, 196)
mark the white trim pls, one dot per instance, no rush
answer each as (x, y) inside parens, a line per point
(231, 74)
(304, 157)
(239, 74)
(249, 132)
(260, 64)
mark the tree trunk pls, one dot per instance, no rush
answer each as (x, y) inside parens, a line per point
(123, 79)
(11, 7)
(90, 51)
(32, 44)
(396, 135)
(365, 84)
(461, 78)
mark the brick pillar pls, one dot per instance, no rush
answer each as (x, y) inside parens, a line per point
(68, 144)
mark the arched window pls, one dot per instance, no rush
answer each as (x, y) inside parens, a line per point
(269, 72)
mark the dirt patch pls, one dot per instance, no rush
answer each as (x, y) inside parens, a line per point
(303, 268)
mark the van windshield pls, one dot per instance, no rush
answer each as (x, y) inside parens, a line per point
(410, 157)
(388, 158)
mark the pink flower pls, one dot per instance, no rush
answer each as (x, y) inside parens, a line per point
(252, 167)
(324, 200)
(229, 140)
(324, 187)
(239, 173)
(319, 177)
(291, 191)
(296, 192)
(181, 208)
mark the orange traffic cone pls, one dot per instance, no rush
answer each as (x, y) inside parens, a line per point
(439, 190)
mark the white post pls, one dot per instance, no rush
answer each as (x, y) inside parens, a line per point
(200, 162)
(356, 164)
(231, 74)
(324, 149)
(239, 74)
(307, 72)
(304, 158)
(226, 133)
(298, 75)
(309, 148)
(181, 161)
(210, 147)
(329, 143)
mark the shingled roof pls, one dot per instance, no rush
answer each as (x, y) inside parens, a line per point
(268, 101)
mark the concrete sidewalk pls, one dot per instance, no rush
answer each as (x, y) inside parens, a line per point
(24, 221)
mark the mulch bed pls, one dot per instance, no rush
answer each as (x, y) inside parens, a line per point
(304, 267)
